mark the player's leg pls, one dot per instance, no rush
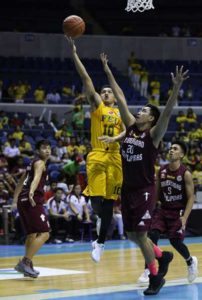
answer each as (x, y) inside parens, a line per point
(156, 281)
(154, 236)
(191, 261)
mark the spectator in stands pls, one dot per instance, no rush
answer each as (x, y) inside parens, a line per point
(29, 121)
(193, 134)
(11, 151)
(67, 93)
(71, 170)
(78, 119)
(199, 131)
(77, 209)
(163, 159)
(20, 92)
(3, 120)
(16, 121)
(10, 183)
(18, 134)
(39, 94)
(19, 168)
(11, 92)
(155, 89)
(54, 157)
(4, 200)
(62, 133)
(60, 148)
(135, 75)
(197, 176)
(59, 217)
(53, 97)
(3, 163)
(191, 117)
(117, 221)
(50, 190)
(25, 148)
(181, 117)
(73, 145)
(152, 100)
(144, 81)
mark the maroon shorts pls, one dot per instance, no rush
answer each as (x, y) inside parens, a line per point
(168, 221)
(137, 207)
(34, 219)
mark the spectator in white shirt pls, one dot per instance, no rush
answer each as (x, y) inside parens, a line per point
(58, 215)
(77, 209)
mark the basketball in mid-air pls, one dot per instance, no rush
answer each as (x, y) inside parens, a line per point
(73, 26)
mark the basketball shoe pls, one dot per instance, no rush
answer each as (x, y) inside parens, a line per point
(155, 284)
(164, 262)
(144, 278)
(97, 251)
(193, 269)
(27, 270)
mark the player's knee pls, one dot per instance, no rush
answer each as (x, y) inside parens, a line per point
(175, 242)
(133, 237)
(142, 239)
(96, 202)
(45, 236)
(154, 236)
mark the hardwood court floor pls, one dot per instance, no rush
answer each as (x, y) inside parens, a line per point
(67, 272)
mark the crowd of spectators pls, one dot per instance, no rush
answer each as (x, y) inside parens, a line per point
(70, 213)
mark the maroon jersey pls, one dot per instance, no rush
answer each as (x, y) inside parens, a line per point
(138, 158)
(172, 188)
(39, 192)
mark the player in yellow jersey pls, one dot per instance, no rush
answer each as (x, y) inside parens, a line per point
(103, 162)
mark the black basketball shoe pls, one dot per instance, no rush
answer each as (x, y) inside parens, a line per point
(155, 284)
(164, 261)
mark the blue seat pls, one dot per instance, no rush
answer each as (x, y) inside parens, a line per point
(54, 175)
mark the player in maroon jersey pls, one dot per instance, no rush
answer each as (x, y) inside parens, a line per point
(175, 192)
(139, 151)
(29, 196)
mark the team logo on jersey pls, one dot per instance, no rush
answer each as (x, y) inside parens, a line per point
(141, 223)
(170, 177)
(179, 178)
(146, 216)
(111, 112)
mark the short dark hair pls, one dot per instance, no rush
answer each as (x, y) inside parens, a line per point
(182, 145)
(42, 143)
(106, 86)
(155, 112)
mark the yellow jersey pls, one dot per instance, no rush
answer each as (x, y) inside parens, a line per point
(105, 120)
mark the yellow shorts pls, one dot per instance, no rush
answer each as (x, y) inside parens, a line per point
(104, 174)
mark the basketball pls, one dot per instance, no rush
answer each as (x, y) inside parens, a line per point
(73, 26)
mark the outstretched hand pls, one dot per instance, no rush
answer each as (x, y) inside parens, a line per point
(106, 139)
(179, 76)
(104, 61)
(71, 43)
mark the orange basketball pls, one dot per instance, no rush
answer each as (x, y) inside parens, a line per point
(73, 26)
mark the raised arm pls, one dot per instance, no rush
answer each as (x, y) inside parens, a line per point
(94, 98)
(158, 131)
(126, 116)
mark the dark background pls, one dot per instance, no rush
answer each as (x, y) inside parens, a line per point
(47, 15)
